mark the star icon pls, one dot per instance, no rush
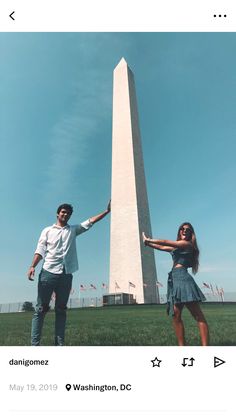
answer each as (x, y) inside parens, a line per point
(156, 362)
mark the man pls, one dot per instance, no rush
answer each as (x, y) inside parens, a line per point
(57, 246)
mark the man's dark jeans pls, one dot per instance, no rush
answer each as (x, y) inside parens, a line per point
(48, 283)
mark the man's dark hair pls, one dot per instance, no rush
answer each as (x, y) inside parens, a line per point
(67, 207)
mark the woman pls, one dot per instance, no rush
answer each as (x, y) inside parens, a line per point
(182, 289)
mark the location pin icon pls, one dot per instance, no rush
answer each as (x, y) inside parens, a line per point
(68, 387)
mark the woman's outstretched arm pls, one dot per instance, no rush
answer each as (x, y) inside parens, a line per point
(149, 242)
(175, 244)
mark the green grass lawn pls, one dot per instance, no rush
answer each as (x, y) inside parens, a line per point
(143, 325)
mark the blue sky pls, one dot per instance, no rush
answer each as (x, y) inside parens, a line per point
(55, 130)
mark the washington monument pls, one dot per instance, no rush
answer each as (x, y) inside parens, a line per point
(132, 265)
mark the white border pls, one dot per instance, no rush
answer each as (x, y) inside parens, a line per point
(118, 16)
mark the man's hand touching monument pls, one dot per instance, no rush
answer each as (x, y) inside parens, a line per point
(109, 206)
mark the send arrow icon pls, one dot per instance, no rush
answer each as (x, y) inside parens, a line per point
(218, 362)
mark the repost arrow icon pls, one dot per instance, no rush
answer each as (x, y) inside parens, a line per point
(184, 362)
(191, 362)
(11, 16)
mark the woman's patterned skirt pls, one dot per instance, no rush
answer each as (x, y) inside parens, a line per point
(181, 288)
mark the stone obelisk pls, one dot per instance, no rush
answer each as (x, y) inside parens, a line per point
(132, 265)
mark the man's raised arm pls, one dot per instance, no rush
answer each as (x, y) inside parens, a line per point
(99, 217)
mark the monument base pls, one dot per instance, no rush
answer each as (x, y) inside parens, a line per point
(118, 298)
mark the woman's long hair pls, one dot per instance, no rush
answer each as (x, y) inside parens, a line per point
(193, 240)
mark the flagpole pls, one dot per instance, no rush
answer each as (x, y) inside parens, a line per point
(222, 294)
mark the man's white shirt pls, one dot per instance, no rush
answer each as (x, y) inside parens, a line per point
(57, 245)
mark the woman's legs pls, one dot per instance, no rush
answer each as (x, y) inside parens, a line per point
(178, 324)
(198, 315)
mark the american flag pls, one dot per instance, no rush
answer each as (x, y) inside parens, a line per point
(82, 288)
(159, 284)
(205, 285)
(104, 285)
(131, 284)
(221, 293)
(92, 287)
